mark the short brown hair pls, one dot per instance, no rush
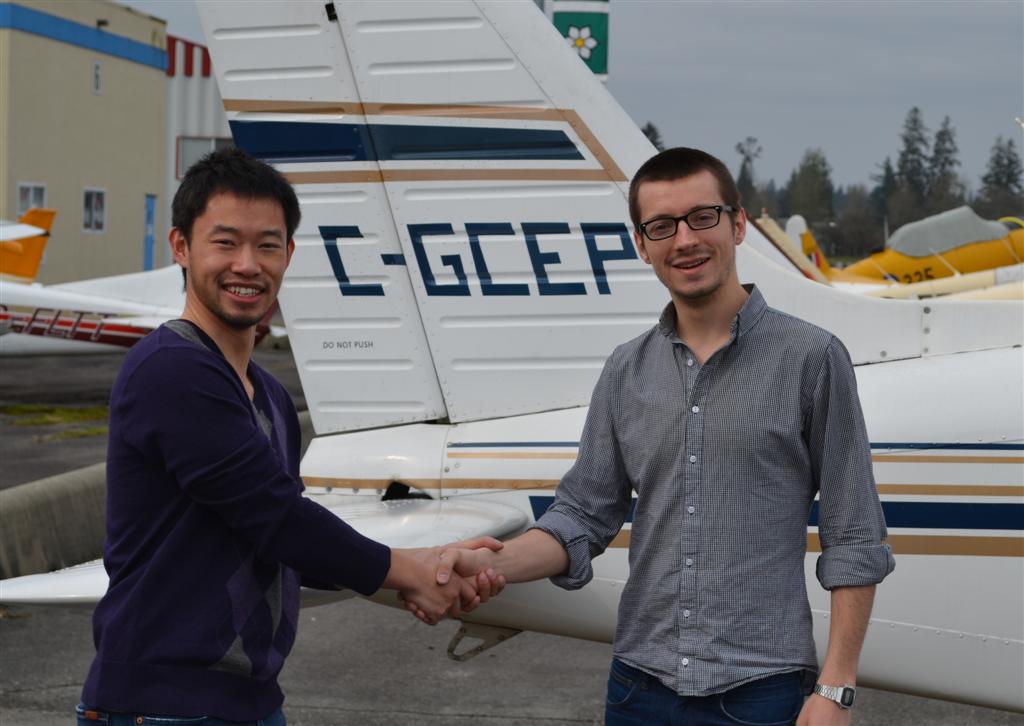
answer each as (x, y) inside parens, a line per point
(677, 163)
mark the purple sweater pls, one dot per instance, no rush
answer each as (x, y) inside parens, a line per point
(207, 537)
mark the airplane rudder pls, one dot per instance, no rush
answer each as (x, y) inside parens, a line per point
(39, 217)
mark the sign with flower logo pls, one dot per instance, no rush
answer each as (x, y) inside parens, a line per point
(584, 25)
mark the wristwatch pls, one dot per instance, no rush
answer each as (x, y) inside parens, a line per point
(843, 695)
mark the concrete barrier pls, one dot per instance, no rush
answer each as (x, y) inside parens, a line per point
(53, 522)
(60, 521)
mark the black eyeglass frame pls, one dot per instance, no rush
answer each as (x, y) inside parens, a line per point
(686, 218)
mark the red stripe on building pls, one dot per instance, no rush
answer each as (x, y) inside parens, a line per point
(206, 62)
(172, 54)
(189, 53)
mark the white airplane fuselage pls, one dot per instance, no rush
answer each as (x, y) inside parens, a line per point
(953, 513)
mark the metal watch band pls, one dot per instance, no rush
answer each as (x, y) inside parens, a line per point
(843, 696)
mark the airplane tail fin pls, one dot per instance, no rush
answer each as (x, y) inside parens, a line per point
(813, 252)
(20, 259)
(466, 250)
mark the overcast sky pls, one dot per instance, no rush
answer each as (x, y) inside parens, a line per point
(840, 76)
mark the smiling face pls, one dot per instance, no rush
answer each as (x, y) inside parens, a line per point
(235, 261)
(695, 266)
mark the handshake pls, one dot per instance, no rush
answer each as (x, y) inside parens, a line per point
(450, 580)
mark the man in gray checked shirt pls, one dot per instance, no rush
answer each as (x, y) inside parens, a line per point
(726, 418)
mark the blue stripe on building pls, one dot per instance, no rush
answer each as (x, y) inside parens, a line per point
(16, 17)
(292, 141)
(918, 515)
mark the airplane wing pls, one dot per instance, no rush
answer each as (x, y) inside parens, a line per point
(405, 523)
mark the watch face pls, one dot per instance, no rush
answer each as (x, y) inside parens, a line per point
(846, 697)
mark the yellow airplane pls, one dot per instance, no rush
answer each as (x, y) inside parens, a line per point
(952, 243)
(22, 244)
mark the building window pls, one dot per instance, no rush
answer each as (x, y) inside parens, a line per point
(97, 78)
(94, 214)
(30, 195)
(193, 148)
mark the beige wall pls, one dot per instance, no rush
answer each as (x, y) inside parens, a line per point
(60, 133)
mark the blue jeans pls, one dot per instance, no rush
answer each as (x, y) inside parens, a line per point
(636, 698)
(95, 717)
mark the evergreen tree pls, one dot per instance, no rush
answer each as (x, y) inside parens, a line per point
(809, 190)
(912, 163)
(857, 229)
(1002, 184)
(885, 187)
(749, 150)
(653, 135)
(945, 190)
(768, 198)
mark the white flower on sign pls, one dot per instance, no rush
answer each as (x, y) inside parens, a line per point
(580, 41)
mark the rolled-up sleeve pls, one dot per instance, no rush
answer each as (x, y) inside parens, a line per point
(851, 525)
(593, 498)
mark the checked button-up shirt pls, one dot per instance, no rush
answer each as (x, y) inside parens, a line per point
(725, 459)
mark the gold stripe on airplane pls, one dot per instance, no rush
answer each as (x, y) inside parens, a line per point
(930, 544)
(500, 484)
(267, 106)
(370, 176)
(448, 484)
(956, 490)
(363, 176)
(977, 490)
(934, 459)
(912, 544)
(330, 482)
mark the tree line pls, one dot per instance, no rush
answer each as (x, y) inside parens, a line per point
(852, 221)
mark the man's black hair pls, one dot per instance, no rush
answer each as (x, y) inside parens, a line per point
(231, 170)
(672, 164)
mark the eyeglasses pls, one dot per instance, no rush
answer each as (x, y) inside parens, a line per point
(704, 218)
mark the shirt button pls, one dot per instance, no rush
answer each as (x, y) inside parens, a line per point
(695, 409)
(691, 509)
(686, 613)
(689, 562)
(693, 459)
(686, 662)
(689, 362)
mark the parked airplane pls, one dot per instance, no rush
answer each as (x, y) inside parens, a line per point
(806, 245)
(951, 243)
(464, 266)
(100, 315)
(22, 244)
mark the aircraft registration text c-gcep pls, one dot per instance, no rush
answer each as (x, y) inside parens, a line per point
(532, 234)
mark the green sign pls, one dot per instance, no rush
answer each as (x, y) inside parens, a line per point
(586, 33)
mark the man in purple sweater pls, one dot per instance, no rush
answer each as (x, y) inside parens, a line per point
(208, 536)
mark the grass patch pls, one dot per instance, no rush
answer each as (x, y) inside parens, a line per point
(40, 415)
(79, 433)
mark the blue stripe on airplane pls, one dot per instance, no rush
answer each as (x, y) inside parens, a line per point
(919, 515)
(293, 141)
(574, 444)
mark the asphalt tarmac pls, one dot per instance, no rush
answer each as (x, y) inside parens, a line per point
(354, 662)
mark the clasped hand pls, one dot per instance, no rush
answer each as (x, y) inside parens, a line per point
(453, 579)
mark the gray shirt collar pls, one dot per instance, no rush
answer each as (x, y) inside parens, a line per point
(745, 319)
